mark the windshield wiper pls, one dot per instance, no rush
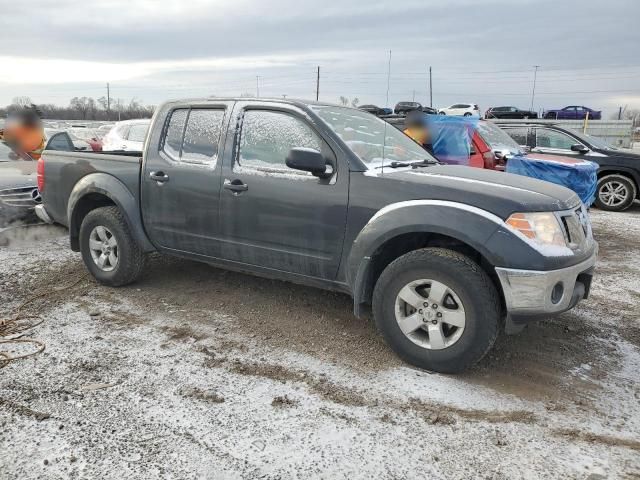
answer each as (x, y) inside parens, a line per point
(395, 165)
(424, 163)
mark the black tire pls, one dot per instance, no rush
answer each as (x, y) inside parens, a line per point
(441, 113)
(472, 285)
(130, 256)
(467, 114)
(628, 185)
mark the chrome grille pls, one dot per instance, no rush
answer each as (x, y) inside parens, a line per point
(23, 197)
(577, 227)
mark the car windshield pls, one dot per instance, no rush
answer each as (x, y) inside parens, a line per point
(594, 141)
(5, 152)
(374, 141)
(497, 139)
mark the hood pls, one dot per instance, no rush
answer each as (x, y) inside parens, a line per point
(18, 173)
(497, 192)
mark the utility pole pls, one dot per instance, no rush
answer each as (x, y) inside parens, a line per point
(620, 113)
(258, 86)
(108, 102)
(430, 89)
(388, 78)
(533, 92)
(318, 84)
(414, 96)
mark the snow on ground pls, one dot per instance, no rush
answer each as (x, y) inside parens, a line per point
(199, 373)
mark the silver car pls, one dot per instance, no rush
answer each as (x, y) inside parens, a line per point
(18, 185)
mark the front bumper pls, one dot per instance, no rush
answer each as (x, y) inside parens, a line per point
(529, 294)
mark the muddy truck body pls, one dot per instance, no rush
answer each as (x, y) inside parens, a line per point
(442, 257)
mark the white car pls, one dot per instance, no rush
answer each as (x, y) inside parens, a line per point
(128, 135)
(461, 109)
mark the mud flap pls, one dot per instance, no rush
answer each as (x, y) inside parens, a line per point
(512, 328)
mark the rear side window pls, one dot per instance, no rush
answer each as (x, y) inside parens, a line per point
(202, 136)
(192, 136)
(518, 134)
(60, 142)
(173, 135)
(137, 133)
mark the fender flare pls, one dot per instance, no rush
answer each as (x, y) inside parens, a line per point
(118, 193)
(468, 224)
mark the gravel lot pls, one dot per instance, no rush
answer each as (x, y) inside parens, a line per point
(196, 372)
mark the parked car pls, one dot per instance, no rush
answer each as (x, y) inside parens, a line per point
(88, 135)
(402, 108)
(462, 109)
(126, 136)
(373, 109)
(509, 112)
(430, 110)
(18, 187)
(573, 112)
(60, 140)
(619, 169)
(329, 196)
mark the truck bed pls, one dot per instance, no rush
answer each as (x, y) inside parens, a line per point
(66, 169)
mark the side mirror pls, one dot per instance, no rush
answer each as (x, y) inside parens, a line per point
(307, 160)
(579, 148)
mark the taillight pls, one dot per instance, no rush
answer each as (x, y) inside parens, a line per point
(40, 174)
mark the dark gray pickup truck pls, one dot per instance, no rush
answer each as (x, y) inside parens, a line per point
(332, 197)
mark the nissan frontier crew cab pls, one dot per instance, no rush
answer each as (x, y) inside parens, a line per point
(444, 257)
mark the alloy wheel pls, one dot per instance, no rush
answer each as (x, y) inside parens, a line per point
(430, 314)
(104, 248)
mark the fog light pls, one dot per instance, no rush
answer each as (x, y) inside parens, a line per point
(556, 293)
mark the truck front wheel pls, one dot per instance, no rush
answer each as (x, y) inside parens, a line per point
(108, 249)
(437, 309)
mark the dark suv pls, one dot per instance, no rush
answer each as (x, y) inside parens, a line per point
(402, 108)
(509, 112)
(619, 169)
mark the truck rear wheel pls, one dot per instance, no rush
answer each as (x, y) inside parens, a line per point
(108, 249)
(437, 309)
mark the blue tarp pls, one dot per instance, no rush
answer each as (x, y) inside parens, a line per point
(451, 138)
(580, 176)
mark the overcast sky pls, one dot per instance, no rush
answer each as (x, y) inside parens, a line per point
(481, 51)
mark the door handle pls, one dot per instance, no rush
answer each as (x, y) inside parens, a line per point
(159, 177)
(236, 186)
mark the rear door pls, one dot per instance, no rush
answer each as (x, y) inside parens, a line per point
(271, 215)
(181, 178)
(135, 137)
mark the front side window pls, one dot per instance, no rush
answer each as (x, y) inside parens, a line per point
(552, 139)
(267, 137)
(192, 135)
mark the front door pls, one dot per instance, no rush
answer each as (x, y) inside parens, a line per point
(554, 142)
(181, 179)
(274, 216)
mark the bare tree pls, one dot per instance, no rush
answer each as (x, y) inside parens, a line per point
(23, 101)
(355, 102)
(344, 101)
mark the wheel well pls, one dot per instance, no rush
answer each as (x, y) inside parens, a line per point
(405, 243)
(86, 204)
(605, 173)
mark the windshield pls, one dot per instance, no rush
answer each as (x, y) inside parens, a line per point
(497, 139)
(593, 141)
(373, 140)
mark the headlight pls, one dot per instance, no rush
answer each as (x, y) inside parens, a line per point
(541, 227)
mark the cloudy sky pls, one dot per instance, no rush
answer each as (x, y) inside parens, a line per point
(481, 51)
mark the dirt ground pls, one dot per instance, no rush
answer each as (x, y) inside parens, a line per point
(196, 372)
